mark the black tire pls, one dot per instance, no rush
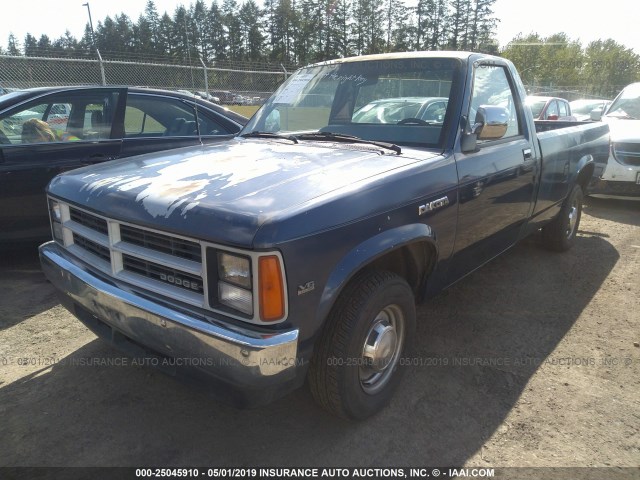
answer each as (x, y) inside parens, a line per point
(560, 234)
(353, 379)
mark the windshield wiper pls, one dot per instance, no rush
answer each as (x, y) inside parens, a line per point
(341, 137)
(258, 134)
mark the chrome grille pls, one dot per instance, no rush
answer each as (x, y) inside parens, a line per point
(154, 261)
(163, 274)
(88, 220)
(92, 247)
(161, 243)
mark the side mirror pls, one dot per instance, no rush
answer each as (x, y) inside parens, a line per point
(491, 122)
(553, 116)
(596, 114)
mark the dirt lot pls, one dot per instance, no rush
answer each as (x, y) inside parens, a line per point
(528, 362)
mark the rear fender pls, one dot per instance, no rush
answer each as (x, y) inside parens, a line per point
(583, 172)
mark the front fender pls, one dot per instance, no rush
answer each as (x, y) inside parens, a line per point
(367, 252)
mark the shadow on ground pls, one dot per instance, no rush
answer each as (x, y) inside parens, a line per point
(453, 398)
(24, 290)
(622, 211)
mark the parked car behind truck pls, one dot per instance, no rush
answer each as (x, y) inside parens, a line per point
(550, 108)
(105, 123)
(300, 253)
(619, 177)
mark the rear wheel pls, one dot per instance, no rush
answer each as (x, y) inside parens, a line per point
(560, 234)
(355, 369)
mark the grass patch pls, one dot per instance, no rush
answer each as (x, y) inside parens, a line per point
(246, 110)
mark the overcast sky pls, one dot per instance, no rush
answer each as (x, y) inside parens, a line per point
(580, 19)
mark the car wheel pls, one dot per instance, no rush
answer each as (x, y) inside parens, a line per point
(355, 368)
(560, 234)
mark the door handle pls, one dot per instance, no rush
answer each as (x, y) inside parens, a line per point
(526, 153)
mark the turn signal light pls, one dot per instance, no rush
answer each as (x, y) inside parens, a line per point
(271, 289)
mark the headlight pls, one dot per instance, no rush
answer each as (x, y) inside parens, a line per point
(234, 269)
(235, 297)
(55, 213)
(252, 284)
(235, 282)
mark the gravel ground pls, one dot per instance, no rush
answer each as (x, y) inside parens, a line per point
(531, 361)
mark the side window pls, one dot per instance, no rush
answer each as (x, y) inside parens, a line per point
(157, 116)
(75, 116)
(552, 109)
(491, 87)
(435, 112)
(38, 123)
(138, 123)
(12, 125)
(58, 116)
(97, 124)
(208, 126)
(563, 109)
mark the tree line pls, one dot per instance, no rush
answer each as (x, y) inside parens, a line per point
(292, 32)
(298, 32)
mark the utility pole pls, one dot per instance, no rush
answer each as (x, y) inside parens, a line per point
(93, 40)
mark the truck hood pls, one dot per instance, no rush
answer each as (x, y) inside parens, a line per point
(624, 130)
(222, 193)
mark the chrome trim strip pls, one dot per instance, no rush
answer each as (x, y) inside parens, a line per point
(170, 261)
(87, 233)
(177, 293)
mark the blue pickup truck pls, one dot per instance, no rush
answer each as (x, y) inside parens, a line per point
(298, 250)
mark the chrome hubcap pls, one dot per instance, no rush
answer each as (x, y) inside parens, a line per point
(381, 349)
(380, 346)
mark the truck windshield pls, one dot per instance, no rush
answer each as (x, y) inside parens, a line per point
(401, 101)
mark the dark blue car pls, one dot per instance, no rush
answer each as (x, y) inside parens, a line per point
(89, 125)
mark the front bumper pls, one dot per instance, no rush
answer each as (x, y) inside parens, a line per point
(611, 189)
(246, 366)
(615, 180)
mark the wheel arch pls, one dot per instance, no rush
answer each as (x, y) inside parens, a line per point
(585, 168)
(409, 251)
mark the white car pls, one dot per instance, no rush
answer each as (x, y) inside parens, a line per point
(581, 109)
(621, 176)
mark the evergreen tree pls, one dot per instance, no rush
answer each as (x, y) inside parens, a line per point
(251, 31)
(166, 41)
(215, 39)
(153, 21)
(30, 46)
(13, 46)
(233, 29)
(339, 15)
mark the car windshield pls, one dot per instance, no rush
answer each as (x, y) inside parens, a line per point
(536, 106)
(584, 107)
(627, 104)
(402, 101)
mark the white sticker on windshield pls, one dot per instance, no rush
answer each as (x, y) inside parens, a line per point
(293, 88)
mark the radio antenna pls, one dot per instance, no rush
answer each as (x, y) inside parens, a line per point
(193, 83)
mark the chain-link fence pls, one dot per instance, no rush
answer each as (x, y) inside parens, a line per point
(239, 83)
(232, 82)
(575, 92)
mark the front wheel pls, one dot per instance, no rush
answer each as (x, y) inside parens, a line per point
(560, 234)
(355, 369)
